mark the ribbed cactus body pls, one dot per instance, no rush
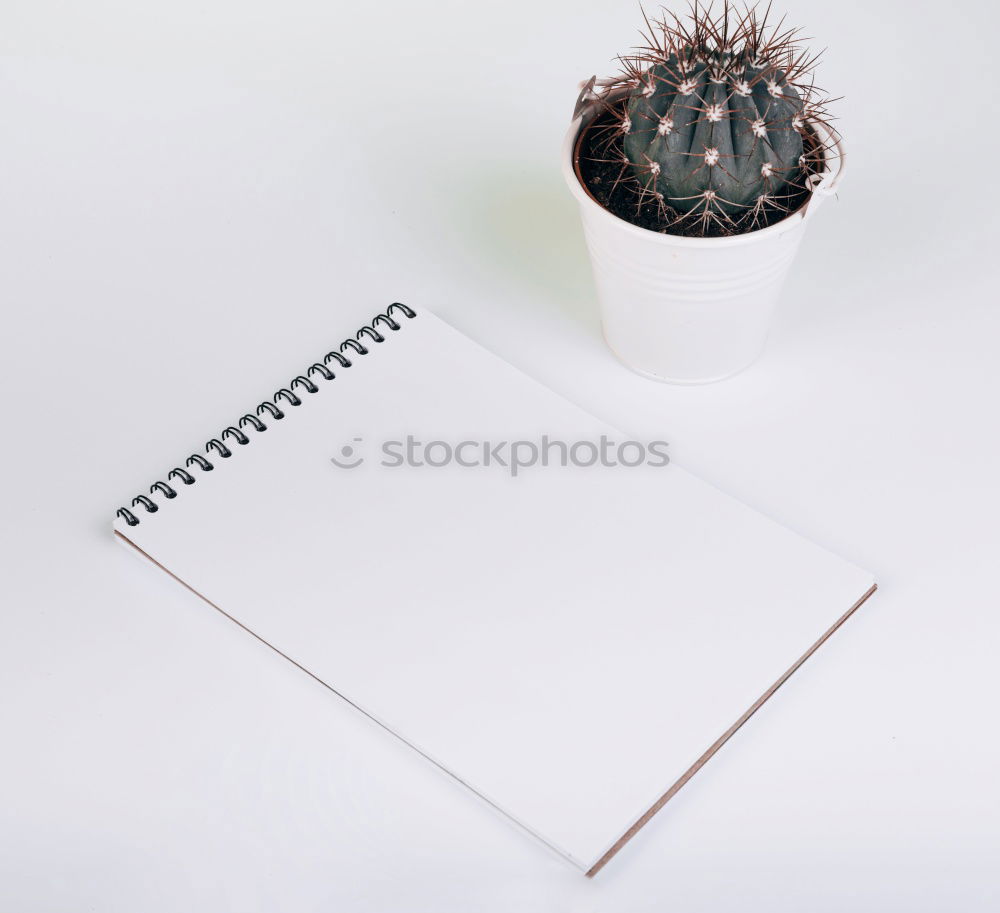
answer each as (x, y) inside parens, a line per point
(713, 131)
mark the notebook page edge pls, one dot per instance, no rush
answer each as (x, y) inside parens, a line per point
(686, 777)
(566, 856)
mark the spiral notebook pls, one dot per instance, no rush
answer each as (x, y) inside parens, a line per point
(570, 642)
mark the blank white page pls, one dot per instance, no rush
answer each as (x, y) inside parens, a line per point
(567, 643)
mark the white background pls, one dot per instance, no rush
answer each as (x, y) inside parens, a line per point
(195, 198)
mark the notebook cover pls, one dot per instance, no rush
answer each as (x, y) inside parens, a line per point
(572, 643)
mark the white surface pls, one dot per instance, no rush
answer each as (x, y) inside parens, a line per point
(689, 310)
(191, 196)
(567, 642)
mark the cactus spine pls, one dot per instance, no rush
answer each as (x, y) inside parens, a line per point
(716, 123)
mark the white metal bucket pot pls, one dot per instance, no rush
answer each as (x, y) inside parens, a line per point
(689, 310)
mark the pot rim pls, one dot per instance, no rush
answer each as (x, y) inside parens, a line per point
(832, 175)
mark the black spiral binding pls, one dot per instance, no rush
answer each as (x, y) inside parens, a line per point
(237, 435)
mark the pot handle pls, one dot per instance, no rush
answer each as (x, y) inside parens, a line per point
(826, 184)
(596, 94)
(586, 98)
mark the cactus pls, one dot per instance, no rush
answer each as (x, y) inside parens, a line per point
(714, 119)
